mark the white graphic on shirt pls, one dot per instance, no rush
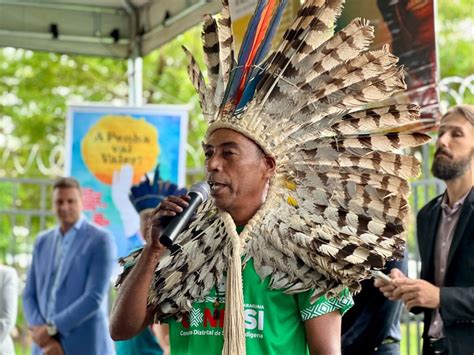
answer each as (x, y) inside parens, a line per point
(196, 317)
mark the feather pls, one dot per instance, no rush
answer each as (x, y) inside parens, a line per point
(255, 46)
(210, 41)
(226, 52)
(199, 84)
(257, 70)
(314, 18)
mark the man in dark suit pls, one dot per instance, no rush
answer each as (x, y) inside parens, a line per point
(65, 297)
(445, 231)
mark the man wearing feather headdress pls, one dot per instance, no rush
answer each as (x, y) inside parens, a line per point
(239, 174)
(309, 190)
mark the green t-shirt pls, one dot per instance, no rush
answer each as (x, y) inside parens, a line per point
(273, 320)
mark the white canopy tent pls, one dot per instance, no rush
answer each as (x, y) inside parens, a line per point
(127, 29)
(112, 28)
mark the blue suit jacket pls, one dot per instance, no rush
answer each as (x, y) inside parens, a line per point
(81, 302)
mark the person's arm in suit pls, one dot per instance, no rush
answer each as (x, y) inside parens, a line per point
(30, 301)
(456, 304)
(8, 302)
(96, 288)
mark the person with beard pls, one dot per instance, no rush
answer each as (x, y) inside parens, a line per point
(445, 232)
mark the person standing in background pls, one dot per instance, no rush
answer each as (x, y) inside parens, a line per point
(145, 196)
(65, 296)
(445, 232)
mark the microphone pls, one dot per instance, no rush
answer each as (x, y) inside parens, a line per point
(199, 193)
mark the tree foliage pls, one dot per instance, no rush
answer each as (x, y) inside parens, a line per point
(455, 37)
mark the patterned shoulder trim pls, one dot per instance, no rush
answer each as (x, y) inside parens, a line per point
(326, 305)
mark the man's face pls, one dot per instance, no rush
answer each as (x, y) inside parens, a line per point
(454, 147)
(67, 205)
(237, 172)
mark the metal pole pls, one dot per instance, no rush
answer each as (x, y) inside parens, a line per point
(135, 81)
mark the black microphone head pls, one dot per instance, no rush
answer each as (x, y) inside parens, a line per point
(201, 188)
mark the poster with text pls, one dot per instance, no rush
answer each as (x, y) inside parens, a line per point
(111, 148)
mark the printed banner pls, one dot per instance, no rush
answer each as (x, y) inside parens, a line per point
(111, 148)
(408, 27)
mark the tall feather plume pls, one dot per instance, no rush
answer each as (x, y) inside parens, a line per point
(255, 46)
(226, 52)
(205, 97)
(210, 41)
(308, 31)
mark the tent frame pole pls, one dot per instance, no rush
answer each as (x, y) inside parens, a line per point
(135, 81)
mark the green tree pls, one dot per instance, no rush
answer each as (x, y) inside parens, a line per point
(456, 37)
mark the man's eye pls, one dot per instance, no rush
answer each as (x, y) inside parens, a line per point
(208, 154)
(228, 153)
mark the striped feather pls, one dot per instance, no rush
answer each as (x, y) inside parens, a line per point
(226, 52)
(210, 41)
(197, 79)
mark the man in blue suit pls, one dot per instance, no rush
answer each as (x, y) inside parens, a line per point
(65, 297)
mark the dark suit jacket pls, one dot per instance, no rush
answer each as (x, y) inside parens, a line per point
(457, 294)
(373, 317)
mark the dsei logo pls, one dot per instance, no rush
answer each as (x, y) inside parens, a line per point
(254, 319)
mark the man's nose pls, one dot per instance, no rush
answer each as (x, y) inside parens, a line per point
(443, 141)
(64, 206)
(213, 163)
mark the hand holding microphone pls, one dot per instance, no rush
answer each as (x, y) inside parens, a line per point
(178, 212)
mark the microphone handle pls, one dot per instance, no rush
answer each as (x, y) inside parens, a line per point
(180, 221)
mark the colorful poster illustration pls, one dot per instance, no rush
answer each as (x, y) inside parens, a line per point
(111, 148)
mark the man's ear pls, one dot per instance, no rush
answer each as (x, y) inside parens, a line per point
(270, 164)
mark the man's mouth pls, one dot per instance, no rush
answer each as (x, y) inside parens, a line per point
(216, 186)
(444, 153)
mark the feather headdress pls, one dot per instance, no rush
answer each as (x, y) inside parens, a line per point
(337, 205)
(148, 194)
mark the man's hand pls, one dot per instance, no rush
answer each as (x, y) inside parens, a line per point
(417, 292)
(168, 208)
(53, 348)
(40, 335)
(388, 289)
